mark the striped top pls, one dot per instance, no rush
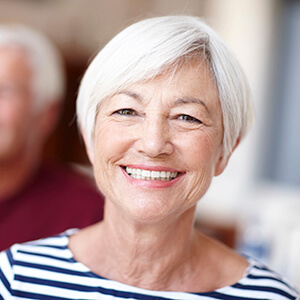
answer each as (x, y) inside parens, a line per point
(46, 269)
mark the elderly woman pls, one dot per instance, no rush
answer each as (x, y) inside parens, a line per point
(161, 109)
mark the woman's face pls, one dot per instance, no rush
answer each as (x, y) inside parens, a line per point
(158, 144)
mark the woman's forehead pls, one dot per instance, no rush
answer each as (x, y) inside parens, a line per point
(192, 80)
(190, 84)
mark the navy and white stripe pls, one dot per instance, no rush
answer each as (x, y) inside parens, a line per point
(46, 269)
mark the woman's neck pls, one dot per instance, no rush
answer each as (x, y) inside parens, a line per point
(152, 256)
(167, 255)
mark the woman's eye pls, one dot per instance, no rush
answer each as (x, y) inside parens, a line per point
(125, 112)
(189, 119)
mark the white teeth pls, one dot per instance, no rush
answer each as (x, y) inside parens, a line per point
(155, 174)
(150, 175)
(146, 173)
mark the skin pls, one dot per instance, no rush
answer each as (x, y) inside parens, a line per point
(147, 238)
(23, 129)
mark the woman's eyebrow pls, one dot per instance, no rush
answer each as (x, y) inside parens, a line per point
(188, 100)
(177, 102)
(133, 95)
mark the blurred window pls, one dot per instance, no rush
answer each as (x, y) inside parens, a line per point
(282, 163)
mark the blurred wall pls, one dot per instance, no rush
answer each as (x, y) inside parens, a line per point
(81, 27)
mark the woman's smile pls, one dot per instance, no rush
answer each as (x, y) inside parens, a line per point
(151, 174)
(151, 177)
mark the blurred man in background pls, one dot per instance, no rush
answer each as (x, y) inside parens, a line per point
(32, 88)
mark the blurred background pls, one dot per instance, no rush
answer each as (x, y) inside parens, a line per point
(254, 206)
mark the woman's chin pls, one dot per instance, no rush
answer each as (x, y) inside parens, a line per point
(145, 212)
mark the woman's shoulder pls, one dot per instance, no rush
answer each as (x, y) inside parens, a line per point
(260, 281)
(40, 253)
(25, 269)
(58, 240)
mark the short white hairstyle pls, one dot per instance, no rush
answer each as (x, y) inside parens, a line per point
(48, 82)
(148, 48)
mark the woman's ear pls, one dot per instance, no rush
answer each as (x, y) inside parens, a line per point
(222, 163)
(89, 151)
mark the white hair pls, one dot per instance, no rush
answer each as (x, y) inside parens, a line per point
(150, 47)
(48, 82)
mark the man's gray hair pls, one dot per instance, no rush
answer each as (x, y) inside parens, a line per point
(48, 80)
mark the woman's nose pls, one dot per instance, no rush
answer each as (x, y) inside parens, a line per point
(155, 138)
